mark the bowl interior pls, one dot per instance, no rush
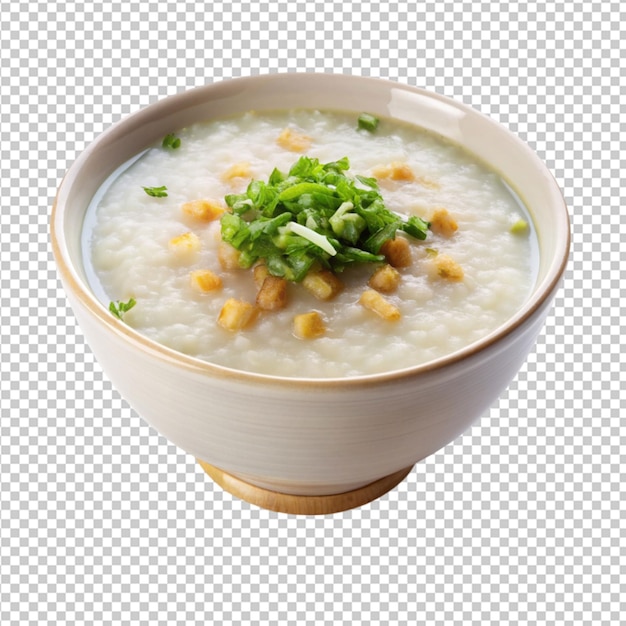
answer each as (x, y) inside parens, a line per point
(486, 139)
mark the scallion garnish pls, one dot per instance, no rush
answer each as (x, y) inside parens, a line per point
(171, 141)
(314, 214)
(156, 192)
(119, 308)
(368, 122)
(520, 227)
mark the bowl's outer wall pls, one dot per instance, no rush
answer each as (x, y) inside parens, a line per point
(323, 437)
(310, 440)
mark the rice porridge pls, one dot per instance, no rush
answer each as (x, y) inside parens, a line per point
(154, 238)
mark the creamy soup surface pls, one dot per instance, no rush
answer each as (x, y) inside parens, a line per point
(129, 252)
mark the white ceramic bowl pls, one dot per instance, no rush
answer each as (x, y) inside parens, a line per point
(295, 436)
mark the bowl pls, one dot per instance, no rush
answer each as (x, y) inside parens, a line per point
(309, 446)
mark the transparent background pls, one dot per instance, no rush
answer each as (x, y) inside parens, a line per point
(519, 521)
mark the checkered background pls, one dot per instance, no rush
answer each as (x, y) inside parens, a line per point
(519, 521)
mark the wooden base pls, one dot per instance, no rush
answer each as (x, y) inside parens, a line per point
(303, 505)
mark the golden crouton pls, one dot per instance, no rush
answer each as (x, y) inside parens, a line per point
(237, 315)
(273, 294)
(185, 246)
(397, 252)
(442, 223)
(238, 170)
(378, 304)
(308, 325)
(401, 172)
(260, 273)
(385, 279)
(323, 284)
(228, 256)
(443, 266)
(205, 280)
(394, 171)
(204, 210)
(290, 139)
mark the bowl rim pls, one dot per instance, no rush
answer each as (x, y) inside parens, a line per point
(540, 296)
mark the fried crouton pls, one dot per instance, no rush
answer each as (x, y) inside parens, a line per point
(238, 170)
(402, 173)
(293, 140)
(308, 325)
(385, 279)
(394, 171)
(237, 315)
(273, 294)
(323, 284)
(185, 246)
(397, 252)
(375, 302)
(204, 210)
(442, 223)
(205, 280)
(445, 267)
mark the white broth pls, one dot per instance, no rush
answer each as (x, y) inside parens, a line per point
(128, 251)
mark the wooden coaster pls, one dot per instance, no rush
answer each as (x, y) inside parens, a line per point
(303, 505)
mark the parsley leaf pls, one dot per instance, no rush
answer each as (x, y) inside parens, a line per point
(118, 309)
(314, 214)
(156, 192)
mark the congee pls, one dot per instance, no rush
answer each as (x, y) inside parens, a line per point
(309, 244)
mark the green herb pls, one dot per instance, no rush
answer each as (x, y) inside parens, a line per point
(520, 227)
(156, 192)
(368, 122)
(171, 141)
(118, 309)
(314, 214)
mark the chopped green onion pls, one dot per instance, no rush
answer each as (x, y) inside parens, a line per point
(118, 309)
(314, 214)
(156, 192)
(171, 141)
(520, 227)
(368, 122)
